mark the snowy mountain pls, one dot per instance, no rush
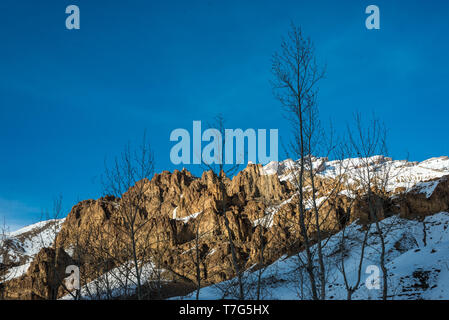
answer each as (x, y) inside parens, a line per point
(404, 174)
(18, 248)
(262, 207)
(417, 263)
(417, 253)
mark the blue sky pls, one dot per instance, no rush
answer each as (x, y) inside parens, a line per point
(70, 98)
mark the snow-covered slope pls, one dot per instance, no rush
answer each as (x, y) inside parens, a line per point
(402, 173)
(417, 252)
(18, 248)
(120, 281)
(417, 262)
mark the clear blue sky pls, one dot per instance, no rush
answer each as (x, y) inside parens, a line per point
(68, 98)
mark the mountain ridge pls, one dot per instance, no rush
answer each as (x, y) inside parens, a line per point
(260, 201)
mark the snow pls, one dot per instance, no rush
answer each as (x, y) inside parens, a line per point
(417, 263)
(348, 193)
(402, 173)
(16, 272)
(427, 187)
(28, 241)
(117, 282)
(270, 168)
(187, 218)
(417, 252)
(440, 163)
(275, 167)
(45, 238)
(192, 216)
(270, 212)
(319, 201)
(32, 227)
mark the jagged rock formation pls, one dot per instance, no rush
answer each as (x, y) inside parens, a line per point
(44, 277)
(261, 208)
(419, 203)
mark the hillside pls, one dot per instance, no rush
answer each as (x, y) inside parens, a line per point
(18, 248)
(182, 224)
(417, 260)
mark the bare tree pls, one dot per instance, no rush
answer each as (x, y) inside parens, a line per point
(159, 251)
(128, 179)
(296, 74)
(221, 172)
(263, 225)
(3, 257)
(343, 212)
(196, 253)
(266, 239)
(198, 259)
(351, 288)
(105, 271)
(367, 143)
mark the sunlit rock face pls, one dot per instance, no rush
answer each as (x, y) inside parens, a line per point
(182, 217)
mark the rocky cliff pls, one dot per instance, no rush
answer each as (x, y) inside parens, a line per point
(181, 221)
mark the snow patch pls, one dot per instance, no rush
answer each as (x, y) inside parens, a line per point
(192, 216)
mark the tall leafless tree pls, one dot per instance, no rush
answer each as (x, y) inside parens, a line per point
(197, 253)
(127, 179)
(221, 172)
(296, 75)
(351, 288)
(266, 239)
(48, 238)
(367, 142)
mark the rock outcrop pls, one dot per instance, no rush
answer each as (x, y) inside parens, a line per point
(182, 213)
(44, 278)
